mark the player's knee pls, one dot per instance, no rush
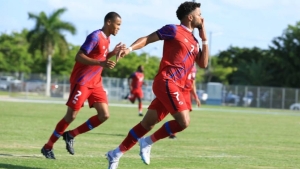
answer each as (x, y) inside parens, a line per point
(70, 115)
(148, 125)
(103, 117)
(185, 123)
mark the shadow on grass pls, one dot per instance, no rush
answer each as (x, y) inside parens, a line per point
(11, 166)
(108, 134)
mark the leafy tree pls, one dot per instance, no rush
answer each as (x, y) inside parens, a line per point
(217, 73)
(285, 52)
(64, 65)
(253, 73)
(47, 35)
(247, 66)
(14, 56)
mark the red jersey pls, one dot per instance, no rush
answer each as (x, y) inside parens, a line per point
(189, 84)
(179, 53)
(96, 46)
(137, 80)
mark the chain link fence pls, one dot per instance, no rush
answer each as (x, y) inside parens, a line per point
(34, 85)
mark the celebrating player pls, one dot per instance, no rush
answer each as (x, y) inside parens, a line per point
(86, 84)
(136, 81)
(180, 52)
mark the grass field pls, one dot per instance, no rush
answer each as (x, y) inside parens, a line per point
(218, 138)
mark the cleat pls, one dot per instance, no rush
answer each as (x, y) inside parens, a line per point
(126, 97)
(112, 162)
(172, 136)
(69, 142)
(48, 153)
(145, 150)
(141, 114)
(132, 101)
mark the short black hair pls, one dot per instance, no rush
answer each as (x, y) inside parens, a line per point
(186, 8)
(139, 68)
(111, 16)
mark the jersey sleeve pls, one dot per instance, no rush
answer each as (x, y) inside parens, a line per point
(132, 75)
(167, 32)
(90, 42)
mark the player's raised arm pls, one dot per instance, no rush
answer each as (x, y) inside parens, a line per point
(202, 58)
(139, 43)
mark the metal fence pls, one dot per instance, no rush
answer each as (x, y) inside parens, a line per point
(258, 96)
(117, 89)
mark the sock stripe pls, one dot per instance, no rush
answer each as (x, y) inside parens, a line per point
(88, 123)
(167, 126)
(55, 133)
(133, 134)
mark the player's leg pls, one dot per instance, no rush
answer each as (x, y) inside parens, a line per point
(140, 104)
(167, 129)
(174, 101)
(132, 97)
(187, 95)
(74, 103)
(151, 117)
(98, 100)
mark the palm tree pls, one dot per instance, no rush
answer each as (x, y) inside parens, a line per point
(47, 35)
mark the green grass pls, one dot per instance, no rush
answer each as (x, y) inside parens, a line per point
(218, 138)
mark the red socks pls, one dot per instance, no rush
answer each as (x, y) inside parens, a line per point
(91, 123)
(134, 134)
(59, 130)
(166, 130)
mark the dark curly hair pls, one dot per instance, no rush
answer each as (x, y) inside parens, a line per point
(186, 8)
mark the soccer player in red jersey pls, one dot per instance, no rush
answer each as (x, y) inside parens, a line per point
(190, 92)
(180, 52)
(86, 84)
(136, 82)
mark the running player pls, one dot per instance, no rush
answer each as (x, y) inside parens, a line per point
(180, 52)
(86, 84)
(136, 81)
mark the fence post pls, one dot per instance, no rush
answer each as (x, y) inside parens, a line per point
(283, 98)
(296, 96)
(271, 98)
(258, 97)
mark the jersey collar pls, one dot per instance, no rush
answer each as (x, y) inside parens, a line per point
(186, 28)
(103, 33)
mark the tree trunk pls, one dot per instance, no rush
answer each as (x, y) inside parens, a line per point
(48, 80)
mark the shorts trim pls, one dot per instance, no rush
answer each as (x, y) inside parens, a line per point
(169, 95)
(73, 90)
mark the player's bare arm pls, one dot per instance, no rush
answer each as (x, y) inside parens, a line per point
(194, 93)
(84, 59)
(202, 58)
(140, 43)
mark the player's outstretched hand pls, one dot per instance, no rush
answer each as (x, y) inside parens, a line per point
(108, 64)
(118, 48)
(122, 54)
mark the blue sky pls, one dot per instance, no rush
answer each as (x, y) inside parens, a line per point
(241, 23)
